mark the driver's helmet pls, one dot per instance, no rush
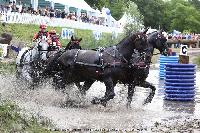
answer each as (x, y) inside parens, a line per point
(52, 32)
(43, 26)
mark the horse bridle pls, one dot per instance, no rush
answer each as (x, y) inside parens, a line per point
(74, 42)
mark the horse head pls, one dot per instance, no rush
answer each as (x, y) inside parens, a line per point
(141, 41)
(135, 41)
(158, 41)
(74, 43)
(42, 48)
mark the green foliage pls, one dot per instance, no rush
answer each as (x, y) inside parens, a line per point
(98, 3)
(195, 3)
(152, 10)
(135, 19)
(7, 67)
(181, 15)
(164, 14)
(11, 120)
(115, 6)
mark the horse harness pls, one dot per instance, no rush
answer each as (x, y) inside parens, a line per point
(102, 65)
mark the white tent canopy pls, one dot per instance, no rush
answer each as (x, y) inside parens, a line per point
(123, 21)
(80, 4)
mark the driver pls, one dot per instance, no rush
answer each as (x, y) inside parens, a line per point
(53, 39)
(42, 34)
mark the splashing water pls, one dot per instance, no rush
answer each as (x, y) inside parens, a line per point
(81, 114)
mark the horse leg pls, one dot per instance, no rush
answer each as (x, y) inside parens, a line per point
(146, 84)
(78, 85)
(83, 88)
(131, 90)
(109, 94)
(59, 82)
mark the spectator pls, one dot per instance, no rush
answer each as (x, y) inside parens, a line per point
(69, 16)
(58, 13)
(52, 13)
(19, 6)
(30, 9)
(63, 14)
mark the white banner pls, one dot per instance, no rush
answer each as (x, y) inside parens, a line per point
(3, 50)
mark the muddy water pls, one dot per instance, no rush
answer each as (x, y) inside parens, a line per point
(158, 116)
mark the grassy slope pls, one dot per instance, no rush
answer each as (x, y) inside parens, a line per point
(7, 67)
(25, 33)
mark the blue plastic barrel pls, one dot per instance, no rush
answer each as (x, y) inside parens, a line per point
(166, 60)
(180, 82)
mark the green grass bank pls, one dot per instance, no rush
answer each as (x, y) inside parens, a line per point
(25, 33)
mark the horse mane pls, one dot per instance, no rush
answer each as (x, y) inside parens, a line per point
(151, 36)
(128, 39)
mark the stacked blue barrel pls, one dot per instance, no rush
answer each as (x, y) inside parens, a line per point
(180, 82)
(166, 60)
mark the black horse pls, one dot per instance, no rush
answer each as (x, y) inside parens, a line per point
(110, 65)
(74, 43)
(52, 60)
(141, 65)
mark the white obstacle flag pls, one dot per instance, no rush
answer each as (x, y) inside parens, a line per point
(183, 50)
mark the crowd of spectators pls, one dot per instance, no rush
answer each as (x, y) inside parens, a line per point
(191, 36)
(20, 7)
(187, 36)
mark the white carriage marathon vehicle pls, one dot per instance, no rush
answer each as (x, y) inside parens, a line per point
(29, 60)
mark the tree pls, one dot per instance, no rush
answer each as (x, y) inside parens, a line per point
(186, 18)
(181, 15)
(115, 6)
(195, 3)
(152, 10)
(98, 3)
(134, 18)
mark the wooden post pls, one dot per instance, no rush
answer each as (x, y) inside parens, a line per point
(183, 59)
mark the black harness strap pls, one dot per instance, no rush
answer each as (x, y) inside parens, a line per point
(102, 65)
(116, 51)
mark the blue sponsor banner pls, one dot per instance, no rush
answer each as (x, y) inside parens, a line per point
(67, 33)
(97, 35)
